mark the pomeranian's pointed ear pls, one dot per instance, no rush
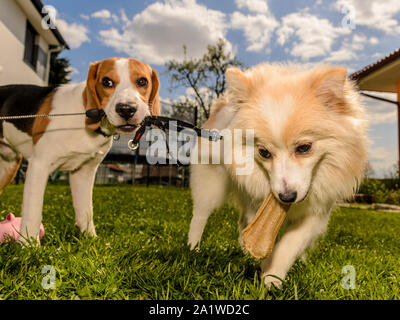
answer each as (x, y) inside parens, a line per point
(154, 100)
(237, 81)
(90, 97)
(329, 85)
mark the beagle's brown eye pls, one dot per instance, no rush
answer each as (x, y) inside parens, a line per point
(142, 82)
(304, 148)
(264, 153)
(107, 82)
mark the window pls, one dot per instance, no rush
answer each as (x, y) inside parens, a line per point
(41, 63)
(31, 48)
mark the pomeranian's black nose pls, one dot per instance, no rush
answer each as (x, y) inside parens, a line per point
(126, 111)
(288, 197)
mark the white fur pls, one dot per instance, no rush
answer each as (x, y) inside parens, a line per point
(66, 145)
(17, 138)
(125, 93)
(276, 113)
(331, 172)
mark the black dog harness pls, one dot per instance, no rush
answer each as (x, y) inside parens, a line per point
(164, 124)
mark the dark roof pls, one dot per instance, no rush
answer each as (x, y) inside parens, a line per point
(39, 6)
(376, 65)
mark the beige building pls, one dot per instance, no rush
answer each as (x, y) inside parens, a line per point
(382, 76)
(25, 45)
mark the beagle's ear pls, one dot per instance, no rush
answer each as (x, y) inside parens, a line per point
(154, 100)
(90, 97)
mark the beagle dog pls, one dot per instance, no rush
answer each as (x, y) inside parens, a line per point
(124, 88)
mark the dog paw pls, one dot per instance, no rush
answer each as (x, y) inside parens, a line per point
(240, 239)
(272, 281)
(193, 242)
(92, 233)
(88, 229)
(25, 242)
(194, 246)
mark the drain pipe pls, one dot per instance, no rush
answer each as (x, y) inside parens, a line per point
(53, 49)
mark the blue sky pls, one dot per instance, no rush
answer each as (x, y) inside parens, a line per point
(306, 32)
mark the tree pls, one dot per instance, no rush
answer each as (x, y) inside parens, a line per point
(182, 109)
(204, 77)
(59, 70)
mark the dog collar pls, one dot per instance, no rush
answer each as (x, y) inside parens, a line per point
(103, 133)
(97, 114)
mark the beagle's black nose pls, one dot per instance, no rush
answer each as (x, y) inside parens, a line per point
(126, 111)
(288, 197)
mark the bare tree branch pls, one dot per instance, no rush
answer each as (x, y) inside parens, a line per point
(205, 76)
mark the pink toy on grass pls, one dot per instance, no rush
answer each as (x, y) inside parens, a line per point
(10, 228)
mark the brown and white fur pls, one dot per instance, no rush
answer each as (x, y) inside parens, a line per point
(289, 108)
(72, 143)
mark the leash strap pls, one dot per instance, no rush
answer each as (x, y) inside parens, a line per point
(163, 122)
(91, 113)
(133, 144)
(30, 116)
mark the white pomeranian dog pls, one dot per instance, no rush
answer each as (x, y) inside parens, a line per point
(309, 150)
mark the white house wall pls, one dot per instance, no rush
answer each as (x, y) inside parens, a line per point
(12, 47)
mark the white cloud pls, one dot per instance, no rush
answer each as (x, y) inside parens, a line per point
(158, 33)
(115, 18)
(381, 159)
(101, 14)
(75, 34)
(343, 54)
(257, 28)
(373, 40)
(73, 70)
(382, 153)
(260, 6)
(380, 112)
(84, 16)
(313, 36)
(358, 41)
(377, 55)
(106, 16)
(376, 14)
(124, 17)
(348, 50)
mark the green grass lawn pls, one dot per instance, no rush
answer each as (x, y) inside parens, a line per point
(141, 252)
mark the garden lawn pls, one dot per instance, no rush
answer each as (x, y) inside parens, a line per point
(141, 252)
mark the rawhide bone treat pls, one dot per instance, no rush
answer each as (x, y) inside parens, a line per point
(259, 236)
